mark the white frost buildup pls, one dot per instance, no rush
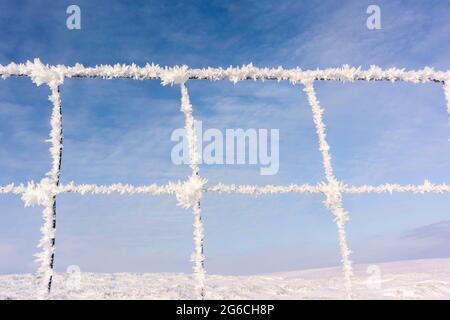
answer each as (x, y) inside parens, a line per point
(55, 135)
(174, 188)
(54, 75)
(197, 256)
(188, 196)
(46, 256)
(189, 127)
(426, 187)
(40, 74)
(269, 189)
(332, 188)
(37, 71)
(175, 75)
(44, 194)
(38, 194)
(120, 188)
(189, 192)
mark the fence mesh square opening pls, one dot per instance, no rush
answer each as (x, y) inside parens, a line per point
(247, 237)
(263, 131)
(24, 117)
(119, 130)
(376, 135)
(148, 234)
(398, 227)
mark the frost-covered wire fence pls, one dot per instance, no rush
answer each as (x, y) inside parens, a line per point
(189, 192)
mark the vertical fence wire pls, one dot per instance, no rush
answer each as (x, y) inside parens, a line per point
(194, 185)
(48, 189)
(332, 188)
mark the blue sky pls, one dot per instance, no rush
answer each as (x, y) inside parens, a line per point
(119, 131)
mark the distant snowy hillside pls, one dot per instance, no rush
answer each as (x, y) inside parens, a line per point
(415, 279)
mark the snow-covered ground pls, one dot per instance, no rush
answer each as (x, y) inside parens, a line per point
(415, 279)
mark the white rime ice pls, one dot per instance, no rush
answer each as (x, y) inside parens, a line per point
(189, 192)
(47, 243)
(268, 189)
(54, 75)
(179, 187)
(426, 187)
(44, 194)
(332, 187)
(37, 71)
(120, 188)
